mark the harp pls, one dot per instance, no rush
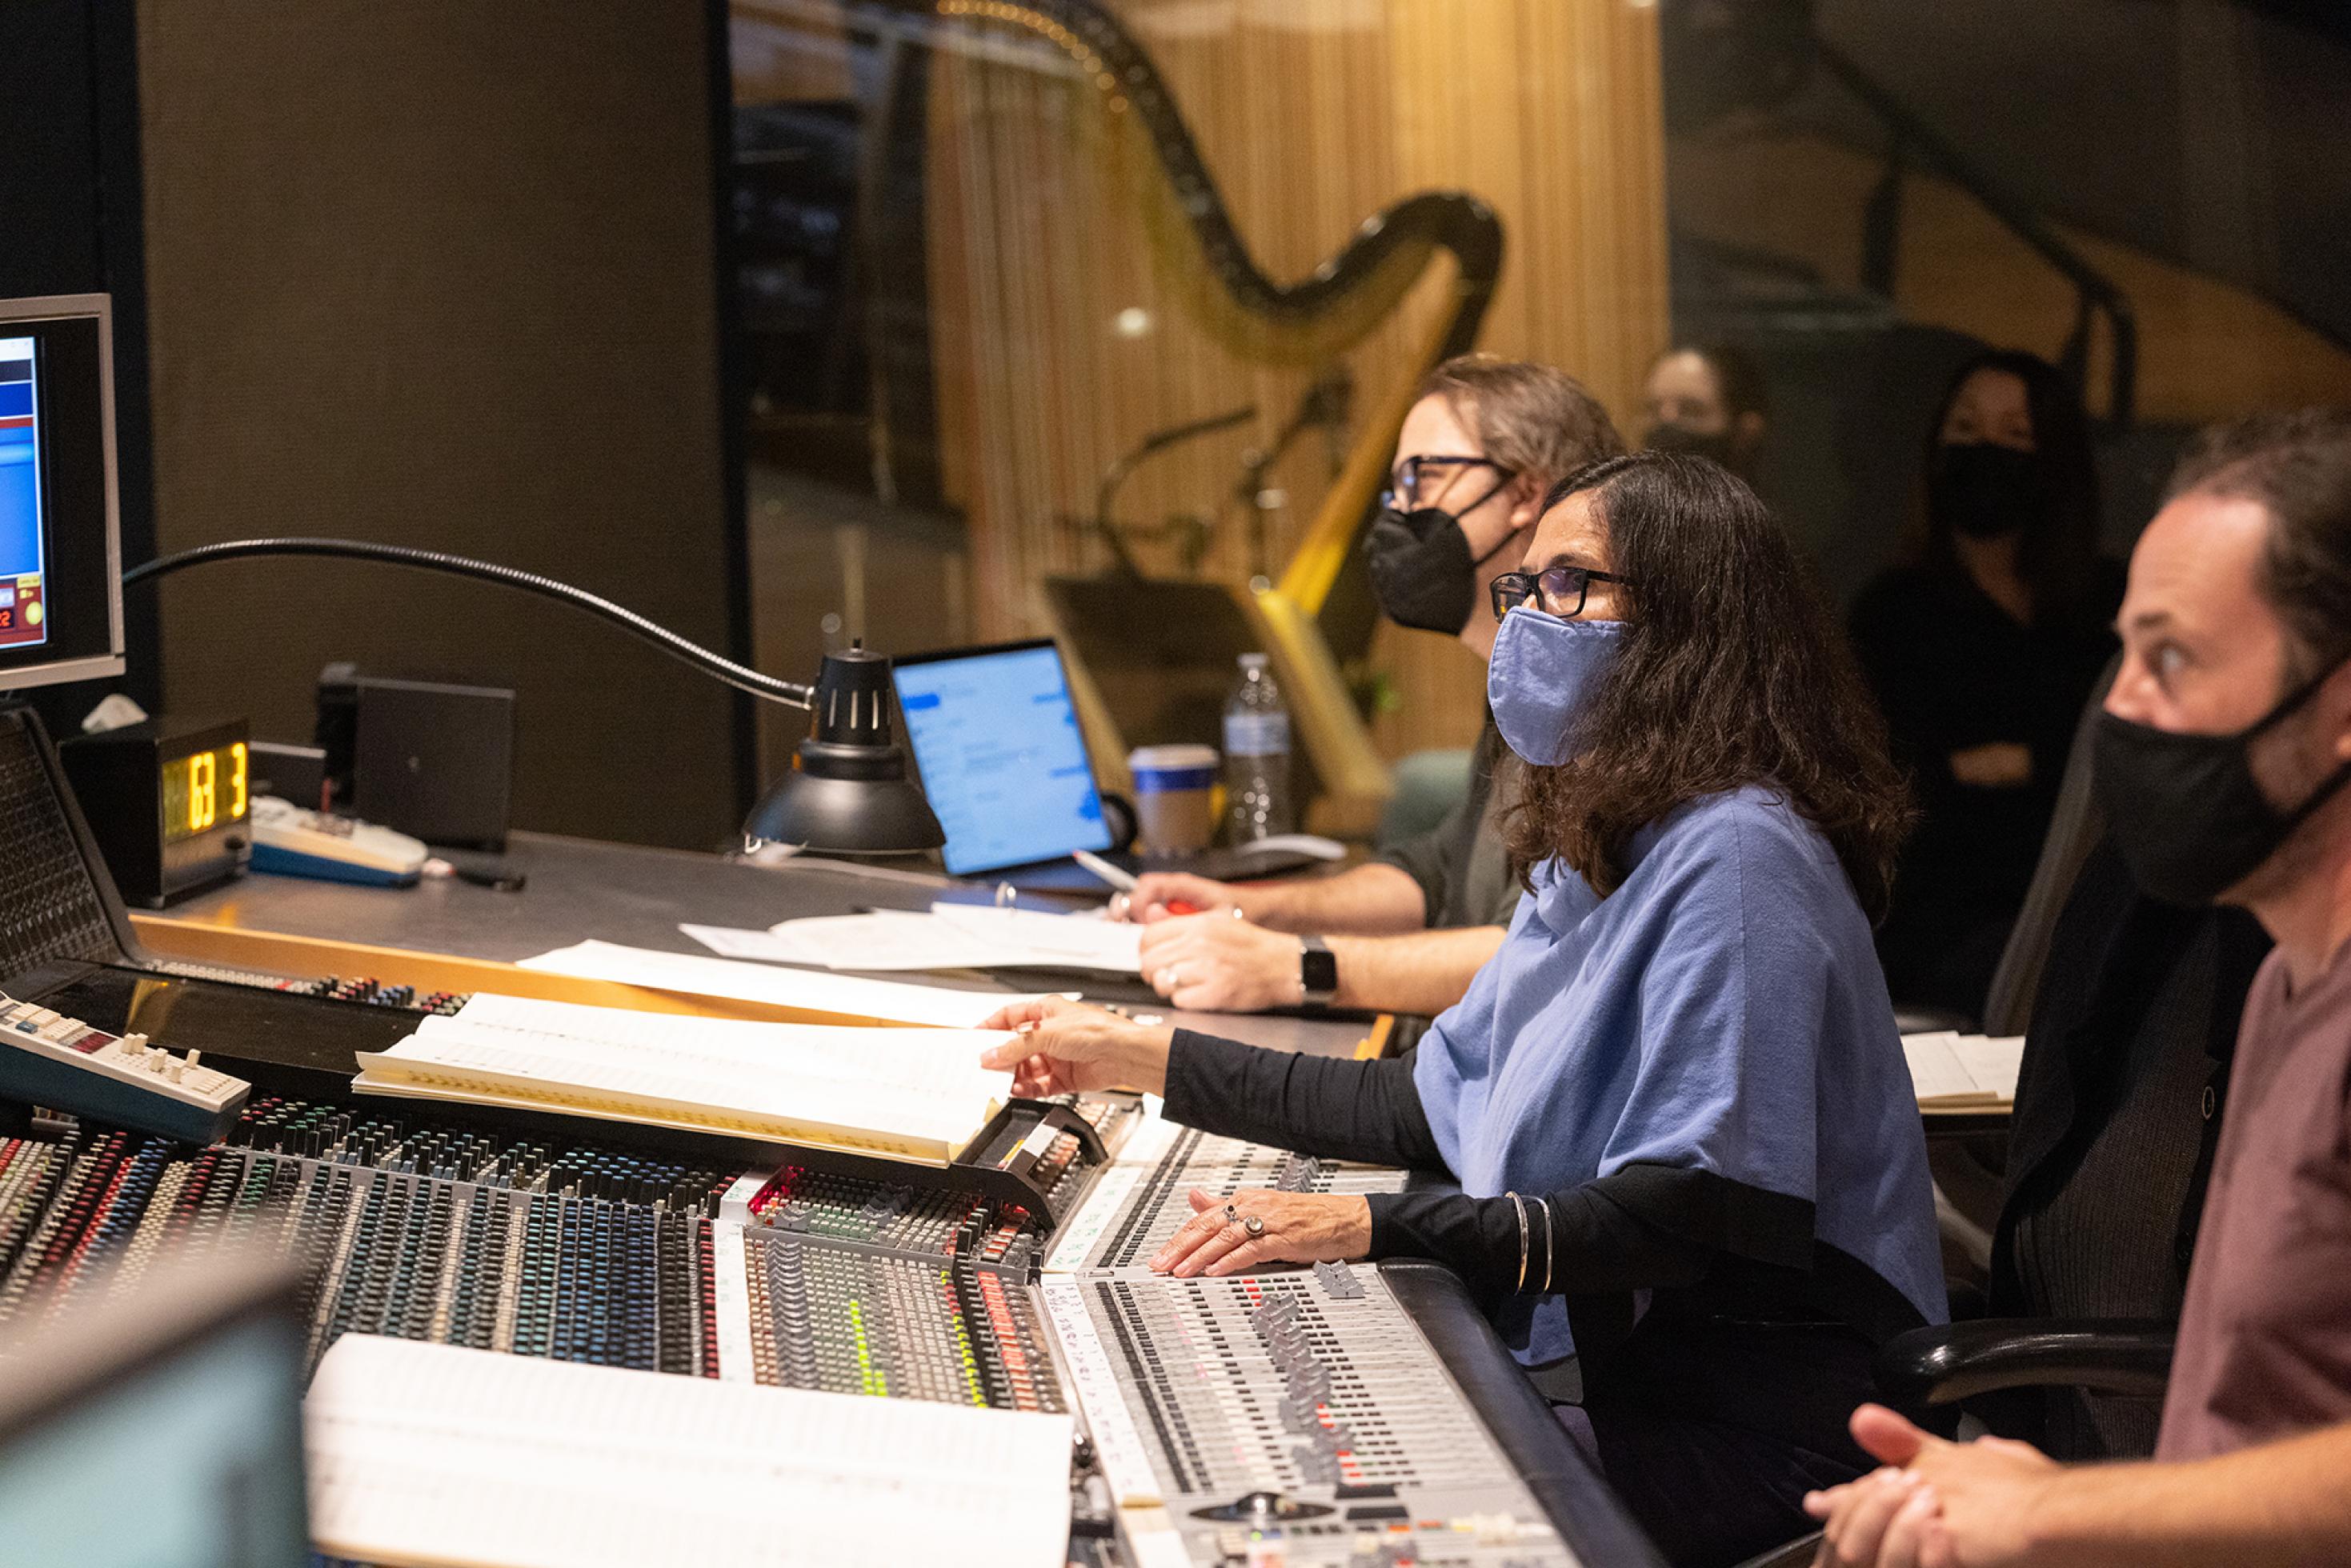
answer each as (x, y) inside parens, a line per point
(1150, 657)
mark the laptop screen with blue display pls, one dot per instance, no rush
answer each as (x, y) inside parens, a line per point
(996, 740)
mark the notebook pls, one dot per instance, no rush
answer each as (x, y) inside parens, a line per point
(422, 1453)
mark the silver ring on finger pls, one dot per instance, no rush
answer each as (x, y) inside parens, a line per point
(1174, 977)
(1232, 1215)
(1254, 1225)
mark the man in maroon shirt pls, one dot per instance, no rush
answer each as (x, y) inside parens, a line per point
(2222, 760)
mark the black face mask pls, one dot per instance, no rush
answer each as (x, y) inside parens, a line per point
(1983, 490)
(1716, 444)
(1422, 570)
(2185, 813)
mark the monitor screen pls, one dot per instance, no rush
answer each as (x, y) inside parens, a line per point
(60, 556)
(159, 1426)
(212, 1437)
(996, 740)
(21, 552)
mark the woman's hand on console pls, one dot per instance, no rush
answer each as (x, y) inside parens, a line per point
(1067, 1047)
(1229, 1236)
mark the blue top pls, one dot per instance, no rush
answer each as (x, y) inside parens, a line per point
(1723, 1012)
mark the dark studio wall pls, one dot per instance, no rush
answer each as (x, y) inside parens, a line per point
(69, 223)
(444, 274)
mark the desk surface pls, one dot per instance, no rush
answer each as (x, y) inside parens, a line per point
(580, 889)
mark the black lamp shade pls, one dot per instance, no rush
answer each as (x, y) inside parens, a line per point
(850, 794)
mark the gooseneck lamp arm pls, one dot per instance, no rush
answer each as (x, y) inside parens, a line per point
(791, 693)
(848, 792)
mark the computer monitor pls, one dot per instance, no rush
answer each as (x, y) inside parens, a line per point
(60, 539)
(163, 1426)
(996, 741)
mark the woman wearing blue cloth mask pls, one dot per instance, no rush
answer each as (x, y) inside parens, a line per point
(1691, 1165)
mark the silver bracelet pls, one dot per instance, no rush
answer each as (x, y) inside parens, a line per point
(1549, 1244)
(1519, 1204)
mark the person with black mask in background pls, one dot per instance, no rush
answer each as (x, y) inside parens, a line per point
(1484, 440)
(1708, 400)
(1983, 649)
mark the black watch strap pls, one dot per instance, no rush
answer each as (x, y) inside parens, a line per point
(1317, 972)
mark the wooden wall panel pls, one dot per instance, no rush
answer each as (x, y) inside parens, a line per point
(1312, 114)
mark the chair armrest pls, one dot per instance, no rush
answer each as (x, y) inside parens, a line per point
(1960, 1360)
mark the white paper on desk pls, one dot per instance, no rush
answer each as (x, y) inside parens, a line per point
(882, 940)
(422, 1452)
(1935, 1072)
(1086, 941)
(1993, 1063)
(889, 1000)
(1949, 1069)
(949, 937)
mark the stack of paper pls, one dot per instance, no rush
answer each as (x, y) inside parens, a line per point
(826, 996)
(950, 936)
(907, 1093)
(1964, 1071)
(435, 1454)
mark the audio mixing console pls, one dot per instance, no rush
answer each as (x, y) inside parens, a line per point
(1305, 1408)
(1293, 1415)
(574, 1250)
(1302, 1408)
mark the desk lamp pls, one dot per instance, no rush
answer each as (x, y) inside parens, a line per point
(847, 794)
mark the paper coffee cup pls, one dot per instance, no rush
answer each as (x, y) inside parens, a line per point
(1173, 787)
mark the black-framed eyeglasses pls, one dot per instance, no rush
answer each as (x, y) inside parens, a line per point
(1406, 483)
(1561, 590)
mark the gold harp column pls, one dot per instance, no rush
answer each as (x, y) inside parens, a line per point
(1549, 109)
(1312, 115)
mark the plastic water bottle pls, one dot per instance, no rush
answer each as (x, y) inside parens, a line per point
(1257, 754)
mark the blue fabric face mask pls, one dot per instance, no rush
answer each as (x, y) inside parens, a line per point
(1541, 671)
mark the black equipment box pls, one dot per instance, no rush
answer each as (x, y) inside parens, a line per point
(432, 758)
(168, 802)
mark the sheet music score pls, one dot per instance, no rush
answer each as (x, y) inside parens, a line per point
(922, 1087)
(424, 1453)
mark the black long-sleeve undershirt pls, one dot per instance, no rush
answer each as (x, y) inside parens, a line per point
(1370, 1111)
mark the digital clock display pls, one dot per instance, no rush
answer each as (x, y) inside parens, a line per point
(204, 791)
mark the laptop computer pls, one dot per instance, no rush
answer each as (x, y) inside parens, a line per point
(999, 752)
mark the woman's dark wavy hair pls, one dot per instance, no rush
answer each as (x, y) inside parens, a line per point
(2058, 549)
(1729, 673)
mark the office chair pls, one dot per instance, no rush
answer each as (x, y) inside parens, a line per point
(2133, 1008)
(2117, 1110)
(2074, 829)
(2130, 1008)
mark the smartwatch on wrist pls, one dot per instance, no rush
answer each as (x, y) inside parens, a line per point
(1317, 972)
